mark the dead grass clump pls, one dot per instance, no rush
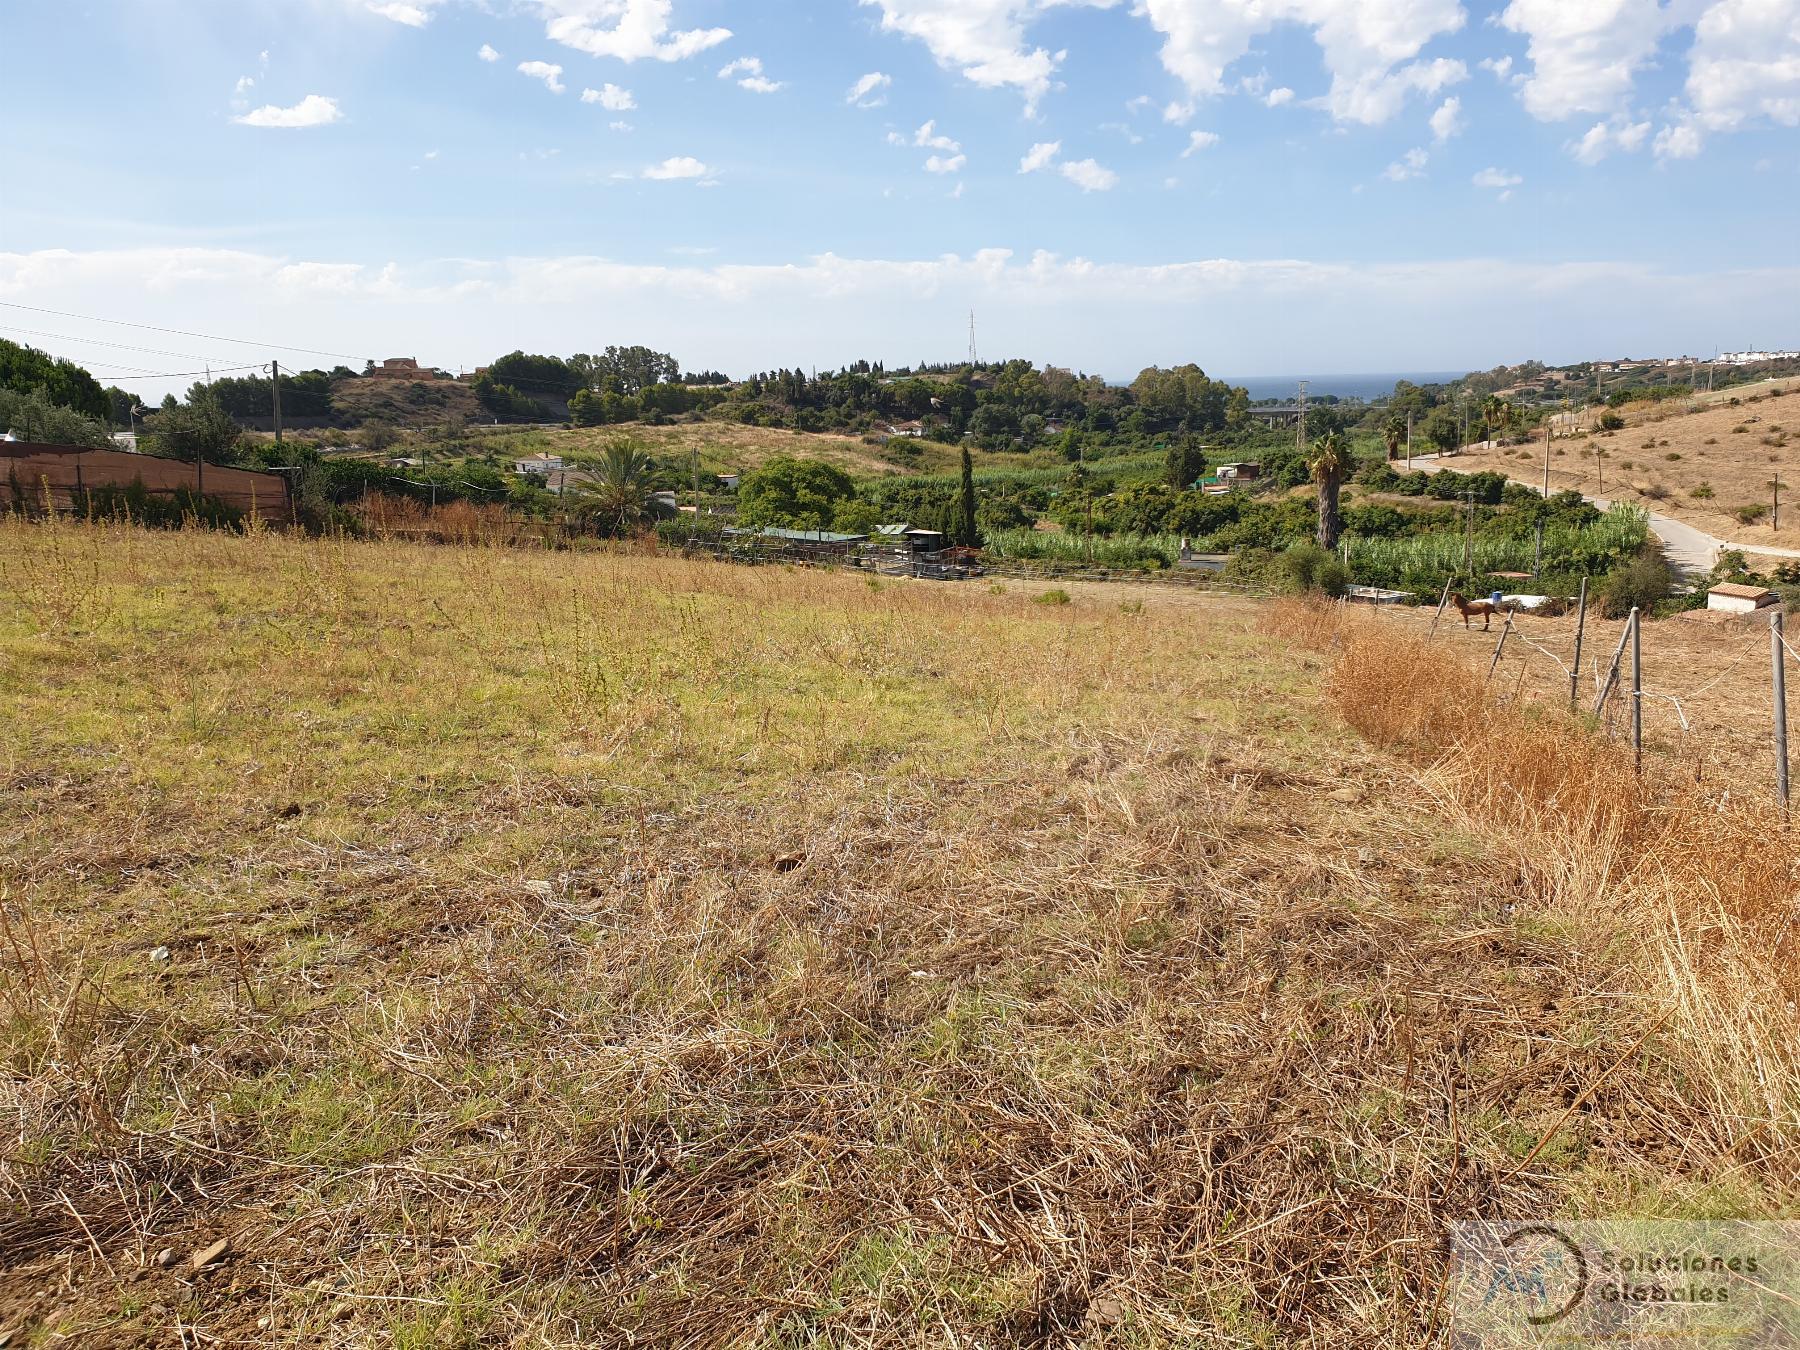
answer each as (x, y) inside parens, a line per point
(384, 516)
(1693, 895)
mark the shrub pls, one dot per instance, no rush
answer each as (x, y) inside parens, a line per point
(1673, 456)
(1656, 492)
(1055, 597)
(1702, 492)
(1710, 440)
(1640, 584)
(1307, 567)
(1611, 421)
(1750, 513)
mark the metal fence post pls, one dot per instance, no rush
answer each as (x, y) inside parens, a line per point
(1443, 600)
(1777, 653)
(1637, 689)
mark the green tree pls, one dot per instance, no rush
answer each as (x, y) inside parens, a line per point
(196, 430)
(63, 383)
(33, 417)
(967, 533)
(1496, 414)
(1329, 462)
(799, 494)
(1184, 463)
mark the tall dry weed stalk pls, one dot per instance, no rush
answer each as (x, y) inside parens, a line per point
(1696, 891)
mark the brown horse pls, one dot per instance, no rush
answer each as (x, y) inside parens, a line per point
(1470, 608)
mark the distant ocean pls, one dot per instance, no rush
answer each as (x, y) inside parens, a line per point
(1365, 387)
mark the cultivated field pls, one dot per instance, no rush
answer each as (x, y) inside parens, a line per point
(1665, 453)
(506, 948)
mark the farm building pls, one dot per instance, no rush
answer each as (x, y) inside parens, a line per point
(914, 538)
(541, 465)
(401, 368)
(1730, 598)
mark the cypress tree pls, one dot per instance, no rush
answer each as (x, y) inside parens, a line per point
(966, 532)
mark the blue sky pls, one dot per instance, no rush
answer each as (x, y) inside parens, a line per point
(1278, 185)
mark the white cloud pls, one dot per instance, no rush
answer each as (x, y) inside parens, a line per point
(868, 92)
(1497, 180)
(983, 39)
(487, 53)
(751, 68)
(1124, 129)
(550, 74)
(1679, 140)
(621, 126)
(1177, 112)
(1088, 175)
(244, 85)
(627, 30)
(928, 138)
(1603, 138)
(315, 110)
(610, 97)
(431, 154)
(1499, 66)
(1200, 140)
(1584, 56)
(1410, 165)
(1745, 64)
(1370, 49)
(412, 13)
(1447, 121)
(679, 167)
(941, 164)
(1276, 97)
(955, 193)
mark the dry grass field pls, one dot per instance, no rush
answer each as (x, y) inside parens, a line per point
(1728, 453)
(494, 947)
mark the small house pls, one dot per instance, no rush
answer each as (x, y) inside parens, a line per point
(1731, 598)
(540, 465)
(728, 481)
(1235, 473)
(666, 501)
(911, 430)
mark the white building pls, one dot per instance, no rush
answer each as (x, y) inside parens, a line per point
(1730, 598)
(540, 465)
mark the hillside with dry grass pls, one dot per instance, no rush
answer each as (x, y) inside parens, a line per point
(1702, 467)
(499, 947)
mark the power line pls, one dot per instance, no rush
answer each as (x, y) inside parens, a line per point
(185, 374)
(178, 332)
(102, 342)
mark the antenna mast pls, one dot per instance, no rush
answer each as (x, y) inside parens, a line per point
(971, 339)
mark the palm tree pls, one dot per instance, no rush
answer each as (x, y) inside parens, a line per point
(1394, 433)
(1496, 412)
(1329, 462)
(621, 498)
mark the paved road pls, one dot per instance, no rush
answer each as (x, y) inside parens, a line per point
(1687, 549)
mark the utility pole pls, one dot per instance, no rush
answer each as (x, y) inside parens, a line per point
(1300, 433)
(971, 340)
(1546, 461)
(1775, 483)
(1781, 747)
(1469, 534)
(1409, 441)
(275, 382)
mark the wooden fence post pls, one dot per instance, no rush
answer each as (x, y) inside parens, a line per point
(1443, 600)
(1612, 671)
(1777, 651)
(1580, 629)
(1493, 665)
(1637, 689)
